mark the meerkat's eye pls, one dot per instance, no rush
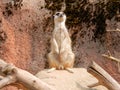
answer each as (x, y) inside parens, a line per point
(57, 14)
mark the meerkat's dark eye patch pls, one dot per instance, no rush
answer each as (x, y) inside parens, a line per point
(57, 14)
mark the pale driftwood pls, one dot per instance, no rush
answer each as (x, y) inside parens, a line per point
(22, 76)
(112, 82)
(111, 57)
(117, 30)
(7, 80)
(31, 81)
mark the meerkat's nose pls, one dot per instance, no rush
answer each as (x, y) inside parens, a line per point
(61, 15)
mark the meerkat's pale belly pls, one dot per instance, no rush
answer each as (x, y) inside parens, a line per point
(60, 36)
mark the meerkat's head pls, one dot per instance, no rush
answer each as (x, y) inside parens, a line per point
(59, 17)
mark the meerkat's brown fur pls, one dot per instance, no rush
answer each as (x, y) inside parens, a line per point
(61, 55)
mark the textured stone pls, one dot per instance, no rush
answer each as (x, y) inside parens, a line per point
(64, 80)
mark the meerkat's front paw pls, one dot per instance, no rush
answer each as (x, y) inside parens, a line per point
(50, 70)
(61, 67)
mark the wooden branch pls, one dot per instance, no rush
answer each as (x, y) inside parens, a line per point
(27, 79)
(117, 30)
(110, 57)
(112, 82)
(31, 81)
(7, 80)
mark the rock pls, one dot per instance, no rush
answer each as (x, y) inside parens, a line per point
(100, 87)
(64, 80)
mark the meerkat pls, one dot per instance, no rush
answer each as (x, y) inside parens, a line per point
(61, 56)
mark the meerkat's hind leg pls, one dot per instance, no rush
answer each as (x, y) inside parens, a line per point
(51, 69)
(69, 70)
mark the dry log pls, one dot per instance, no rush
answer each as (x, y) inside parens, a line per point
(7, 80)
(112, 82)
(27, 79)
(31, 81)
(110, 57)
(117, 30)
